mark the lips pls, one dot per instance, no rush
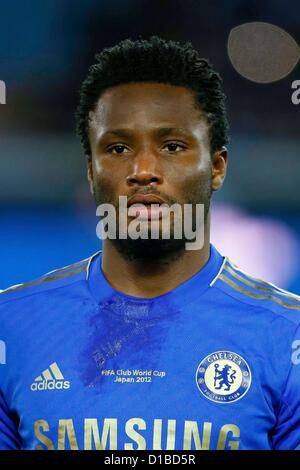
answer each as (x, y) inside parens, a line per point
(145, 199)
(141, 205)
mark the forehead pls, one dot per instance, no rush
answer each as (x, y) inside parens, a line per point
(147, 104)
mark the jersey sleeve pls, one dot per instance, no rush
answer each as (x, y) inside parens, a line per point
(287, 432)
(9, 437)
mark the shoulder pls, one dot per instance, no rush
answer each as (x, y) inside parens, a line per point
(257, 293)
(50, 281)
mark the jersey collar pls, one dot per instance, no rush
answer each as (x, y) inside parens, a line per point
(184, 293)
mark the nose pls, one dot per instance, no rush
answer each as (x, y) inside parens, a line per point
(145, 170)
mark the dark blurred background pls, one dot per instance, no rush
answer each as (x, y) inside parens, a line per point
(47, 215)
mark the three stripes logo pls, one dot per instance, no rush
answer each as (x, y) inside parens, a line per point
(50, 379)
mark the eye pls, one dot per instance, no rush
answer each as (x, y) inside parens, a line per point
(174, 147)
(118, 149)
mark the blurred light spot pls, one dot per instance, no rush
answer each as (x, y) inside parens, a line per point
(262, 52)
(261, 246)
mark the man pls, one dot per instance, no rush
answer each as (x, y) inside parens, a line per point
(149, 345)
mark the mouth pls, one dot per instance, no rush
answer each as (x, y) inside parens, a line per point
(145, 199)
(147, 207)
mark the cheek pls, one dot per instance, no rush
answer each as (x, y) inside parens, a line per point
(101, 167)
(105, 172)
(194, 174)
(108, 180)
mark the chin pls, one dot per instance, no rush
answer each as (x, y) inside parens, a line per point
(150, 250)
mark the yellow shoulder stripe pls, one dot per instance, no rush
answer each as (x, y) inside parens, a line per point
(236, 268)
(74, 265)
(270, 288)
(40, 281)
(257, 296)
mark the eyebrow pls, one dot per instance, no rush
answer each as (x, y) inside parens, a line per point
(158, 132)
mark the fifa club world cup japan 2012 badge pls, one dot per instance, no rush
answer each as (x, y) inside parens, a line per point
(223, 377)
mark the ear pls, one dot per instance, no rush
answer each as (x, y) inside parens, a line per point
(219, 167)
(90, 174)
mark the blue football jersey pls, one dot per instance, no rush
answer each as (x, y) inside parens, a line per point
(213, 364)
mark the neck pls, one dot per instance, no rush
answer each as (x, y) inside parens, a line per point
(151, 278)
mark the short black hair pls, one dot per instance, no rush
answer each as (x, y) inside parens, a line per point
(154, 60)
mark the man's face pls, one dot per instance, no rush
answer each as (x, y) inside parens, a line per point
(150, 138)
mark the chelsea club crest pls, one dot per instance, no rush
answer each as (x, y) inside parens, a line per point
(223, 377)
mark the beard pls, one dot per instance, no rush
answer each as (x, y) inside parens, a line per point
(160, 249)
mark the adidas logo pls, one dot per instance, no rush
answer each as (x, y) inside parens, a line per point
(50, 379)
